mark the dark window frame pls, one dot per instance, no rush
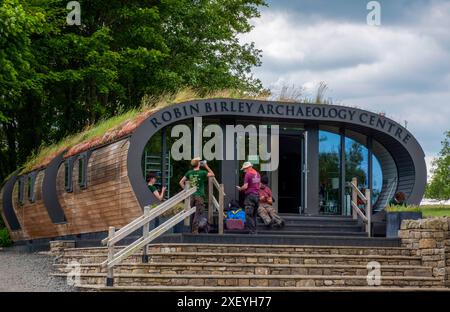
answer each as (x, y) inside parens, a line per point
(21, 191)
(68, 174)
(31, 187)
(82, 163)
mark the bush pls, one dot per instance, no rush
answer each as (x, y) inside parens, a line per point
(5, 240)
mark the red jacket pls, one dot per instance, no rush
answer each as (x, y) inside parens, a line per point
(266, 192)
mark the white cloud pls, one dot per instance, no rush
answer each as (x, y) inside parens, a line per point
(403, 70)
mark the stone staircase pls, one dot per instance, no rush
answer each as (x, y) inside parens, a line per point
(296, 224)
(241, 267)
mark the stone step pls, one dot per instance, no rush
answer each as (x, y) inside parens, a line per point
(276, 239)
(322, 218)
(259, 239)
(275, 258)
(251, 269)
(313, 232)
(223, 248)
(253, 280)
(322, 228)
(102, 288)
(302, 222)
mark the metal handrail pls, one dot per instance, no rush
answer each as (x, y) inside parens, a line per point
(147, 236)
(366, 199)
(214, 204)
(155, 212)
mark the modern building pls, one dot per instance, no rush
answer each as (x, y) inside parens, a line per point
(321, 148)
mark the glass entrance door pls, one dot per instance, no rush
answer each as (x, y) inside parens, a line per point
(291, 174)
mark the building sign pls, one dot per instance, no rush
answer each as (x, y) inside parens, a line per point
(283, 110)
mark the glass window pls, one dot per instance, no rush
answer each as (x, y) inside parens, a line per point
(329, 172)
(68, 176)
(377, 179)
(21, 190)
(356, 166)
(30, 182)
(82, 172)
(356, 163)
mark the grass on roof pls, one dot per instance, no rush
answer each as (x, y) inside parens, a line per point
(46, 153)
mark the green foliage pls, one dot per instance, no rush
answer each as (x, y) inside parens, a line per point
(105, 124)
(427, 211)
(57, 79)
(5, 240)
(439, 187)
(435, 211)
(402, 208)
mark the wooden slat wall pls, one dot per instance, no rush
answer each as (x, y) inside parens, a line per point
(33, 216)
(107, 201)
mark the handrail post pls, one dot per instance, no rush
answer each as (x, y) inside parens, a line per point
(369, 212)
(210, 200)
(110, 273)
(145, 232)
(354, 197)
(187, 205)
(221, 203)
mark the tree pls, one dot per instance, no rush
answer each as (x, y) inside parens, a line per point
(439, 186)
(17, 26)
(55, 79)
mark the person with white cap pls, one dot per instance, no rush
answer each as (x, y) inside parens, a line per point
(197, 178)
(252, 180)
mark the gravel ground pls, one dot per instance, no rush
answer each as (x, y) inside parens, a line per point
(26, 272)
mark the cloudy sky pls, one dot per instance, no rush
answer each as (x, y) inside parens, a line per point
(401, 67)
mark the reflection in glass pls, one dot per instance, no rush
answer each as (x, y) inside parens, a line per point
(377, 179)
(329, 168)
(356, 166)
(356, 163)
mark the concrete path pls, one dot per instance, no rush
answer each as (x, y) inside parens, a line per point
(22, 271)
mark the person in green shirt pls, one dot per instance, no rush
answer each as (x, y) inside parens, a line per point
(197, 177)
(151, 181)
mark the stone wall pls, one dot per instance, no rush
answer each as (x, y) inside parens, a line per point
(429, 239)
(57, 247)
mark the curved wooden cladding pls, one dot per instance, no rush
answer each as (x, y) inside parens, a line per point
(32, 216)
(108, 199)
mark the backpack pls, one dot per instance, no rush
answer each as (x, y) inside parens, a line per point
(236, 214)
(235, 219)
